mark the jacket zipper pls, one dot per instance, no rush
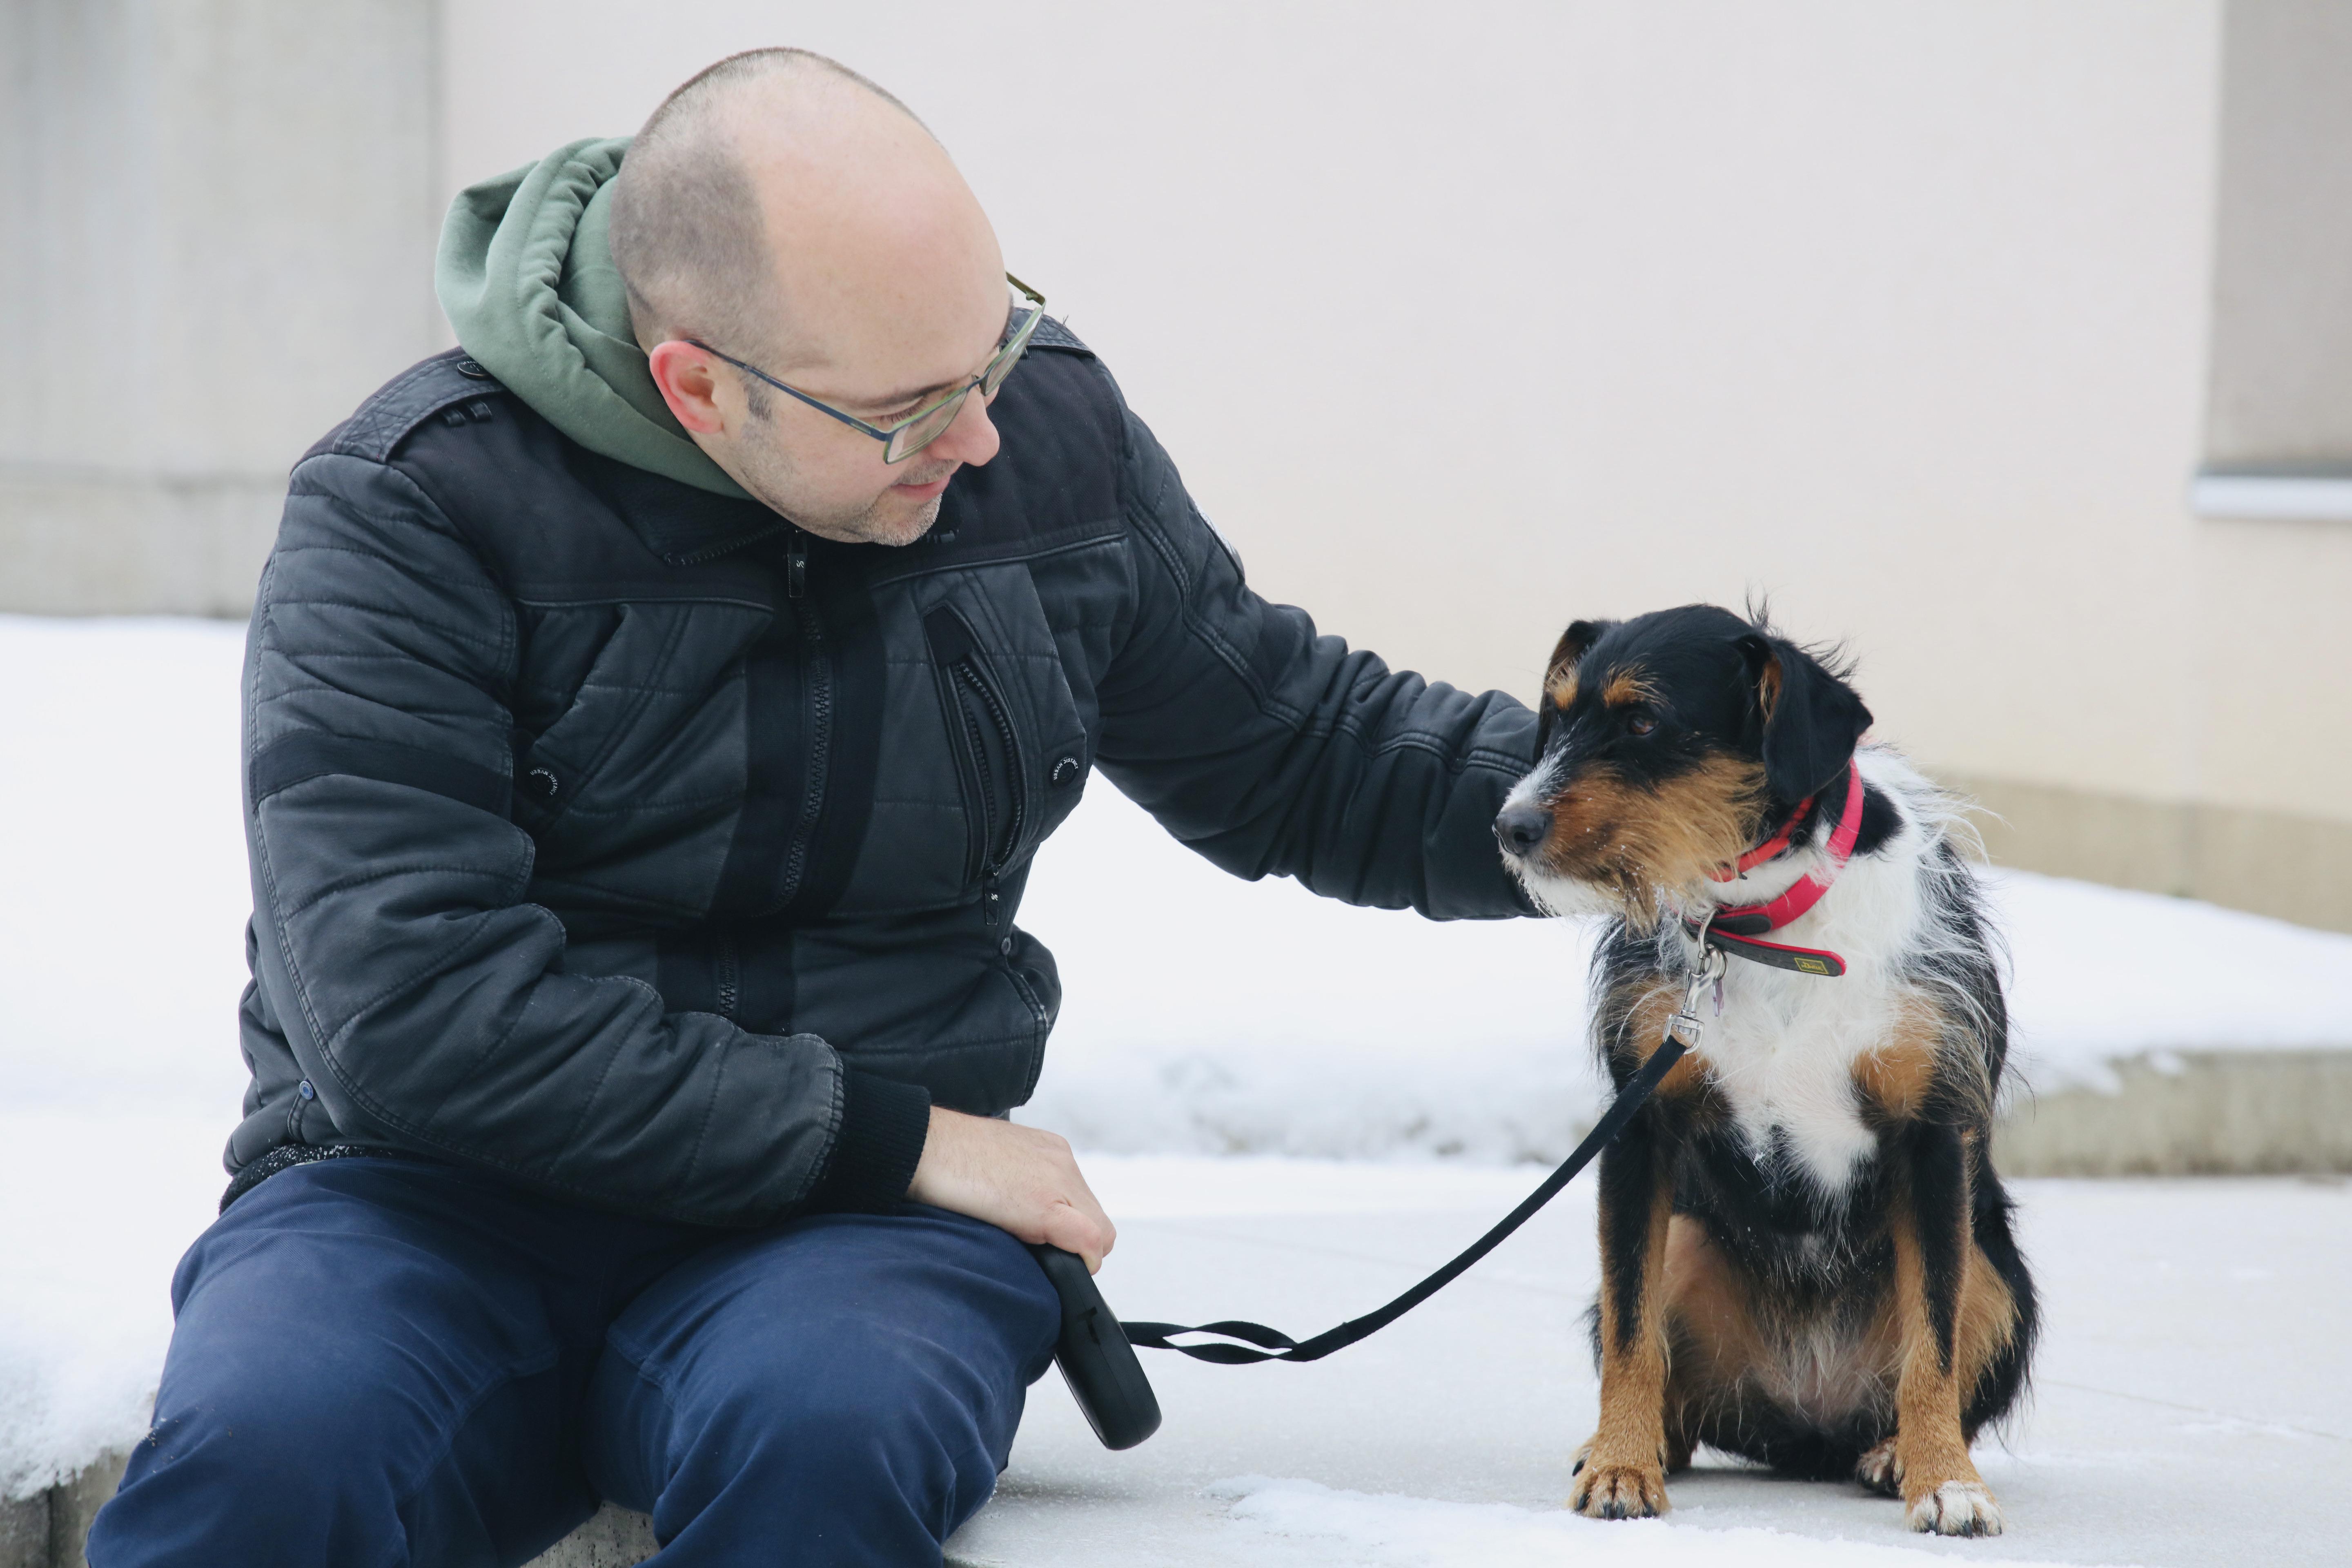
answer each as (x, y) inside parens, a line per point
(727, 976)
(820, 752)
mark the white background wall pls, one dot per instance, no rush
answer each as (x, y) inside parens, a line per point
(1468, 321)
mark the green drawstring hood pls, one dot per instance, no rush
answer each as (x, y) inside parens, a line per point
(526, 277)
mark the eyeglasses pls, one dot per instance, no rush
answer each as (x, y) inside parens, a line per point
(925, 425)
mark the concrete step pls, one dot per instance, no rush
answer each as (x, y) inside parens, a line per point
(47, 1530)
(2189, 1113)
(616, 1538)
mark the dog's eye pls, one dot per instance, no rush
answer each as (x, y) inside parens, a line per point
(1640, 720)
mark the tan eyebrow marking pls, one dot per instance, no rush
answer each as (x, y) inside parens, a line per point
(1628, 687)
(1562, 688)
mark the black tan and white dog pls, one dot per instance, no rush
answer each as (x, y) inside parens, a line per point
(1806, 1255)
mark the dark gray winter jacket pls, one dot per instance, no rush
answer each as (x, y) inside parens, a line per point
(620, 838)
(610, 833)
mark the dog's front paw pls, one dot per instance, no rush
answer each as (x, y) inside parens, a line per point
(1881, 1471)
(1617, 1492)
(1956, 1508)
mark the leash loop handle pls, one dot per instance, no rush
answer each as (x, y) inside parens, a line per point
(1273, 1344)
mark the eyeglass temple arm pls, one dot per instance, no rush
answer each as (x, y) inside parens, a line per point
(851, 420)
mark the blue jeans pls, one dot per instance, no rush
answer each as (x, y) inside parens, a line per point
(386, 1361)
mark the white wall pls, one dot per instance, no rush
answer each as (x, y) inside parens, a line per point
(1467, 321)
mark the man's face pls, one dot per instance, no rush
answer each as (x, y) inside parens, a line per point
(830, 478)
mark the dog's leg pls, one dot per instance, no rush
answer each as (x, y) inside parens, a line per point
(1620, 1473)
(1934, 1252)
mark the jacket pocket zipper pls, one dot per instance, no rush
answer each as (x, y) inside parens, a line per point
(975, 712)
(992, 860)
(726, 976)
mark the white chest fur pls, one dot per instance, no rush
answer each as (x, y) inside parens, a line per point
(1783, 1053)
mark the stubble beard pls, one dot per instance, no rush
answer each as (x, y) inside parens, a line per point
(771, 477)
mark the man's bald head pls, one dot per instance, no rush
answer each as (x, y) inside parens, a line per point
(795, 216)
(693, 232)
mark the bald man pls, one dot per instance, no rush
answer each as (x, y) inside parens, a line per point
(652, 708)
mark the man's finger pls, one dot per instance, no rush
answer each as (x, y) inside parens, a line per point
(1073, 1230)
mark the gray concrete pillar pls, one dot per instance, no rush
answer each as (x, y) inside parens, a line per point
(216, 230)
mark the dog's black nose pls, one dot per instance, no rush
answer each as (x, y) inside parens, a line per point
(1522, 827)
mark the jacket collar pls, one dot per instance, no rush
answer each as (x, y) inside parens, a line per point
(676, 522)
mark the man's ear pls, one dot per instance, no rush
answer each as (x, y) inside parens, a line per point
(1811, 718)
(684, 375)
(1573, 642)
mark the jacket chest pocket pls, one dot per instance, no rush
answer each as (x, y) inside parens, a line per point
(1021, 751)
(990, 766)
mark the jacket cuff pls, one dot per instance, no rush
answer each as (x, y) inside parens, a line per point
(884, 1124)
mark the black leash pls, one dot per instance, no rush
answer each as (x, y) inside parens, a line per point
(1097, 1351)
(1276, 1345)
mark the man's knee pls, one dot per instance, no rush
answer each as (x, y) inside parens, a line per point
(877, 1369)
(326, 1374)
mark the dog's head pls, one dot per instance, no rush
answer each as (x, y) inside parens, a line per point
(1667, 744)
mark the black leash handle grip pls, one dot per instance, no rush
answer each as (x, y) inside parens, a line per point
(1276, 1345)
(1094, 1357)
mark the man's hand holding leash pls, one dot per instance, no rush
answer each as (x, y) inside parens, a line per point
(1019, 1179)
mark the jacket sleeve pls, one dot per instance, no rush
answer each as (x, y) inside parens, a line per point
(1272, 751)
(423, 995)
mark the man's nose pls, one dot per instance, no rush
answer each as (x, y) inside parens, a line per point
(1522, 827)
(972, 438)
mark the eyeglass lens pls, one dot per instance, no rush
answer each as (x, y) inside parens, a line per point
(910, 438)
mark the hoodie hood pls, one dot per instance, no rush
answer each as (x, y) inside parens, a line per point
(526, 277)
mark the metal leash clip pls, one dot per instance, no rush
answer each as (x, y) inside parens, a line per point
(1708, 973)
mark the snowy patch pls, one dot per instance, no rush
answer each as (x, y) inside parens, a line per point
(1416, 1531)
(122, 956)
(1178, 1186)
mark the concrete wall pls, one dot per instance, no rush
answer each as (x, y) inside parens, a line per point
(1468, 321)
(2259, 675)
(221, 217)
(1462, 321)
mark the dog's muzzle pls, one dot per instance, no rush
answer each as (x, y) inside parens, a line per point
(1521, 826)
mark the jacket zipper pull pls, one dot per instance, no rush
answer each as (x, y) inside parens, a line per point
(992, 904)
(796, 565)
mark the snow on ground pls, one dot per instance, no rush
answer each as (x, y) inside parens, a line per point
(122, 956)
(1418, 1531)
(2189, 1407)
(1203, 1015)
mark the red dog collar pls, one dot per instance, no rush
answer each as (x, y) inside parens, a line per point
(1734, 928)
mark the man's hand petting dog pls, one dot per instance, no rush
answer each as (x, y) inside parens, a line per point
(1019, 1179)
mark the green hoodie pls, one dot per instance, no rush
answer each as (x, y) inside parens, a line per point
(527, 278)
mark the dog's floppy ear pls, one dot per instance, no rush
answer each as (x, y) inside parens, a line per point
(1811, 718)
(1572, 646)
